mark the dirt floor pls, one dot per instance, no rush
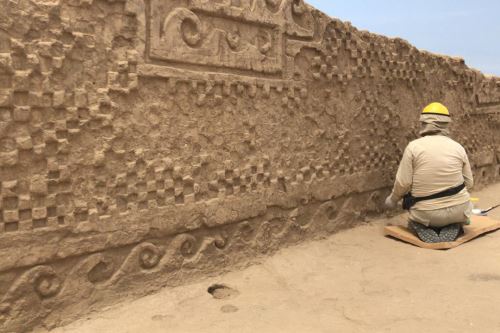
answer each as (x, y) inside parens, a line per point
(354, 281)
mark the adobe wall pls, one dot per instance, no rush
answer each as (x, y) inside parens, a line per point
(145, 143)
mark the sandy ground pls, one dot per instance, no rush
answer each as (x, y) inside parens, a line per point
(354, 281)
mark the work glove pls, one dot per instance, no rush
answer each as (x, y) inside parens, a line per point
(390, 203)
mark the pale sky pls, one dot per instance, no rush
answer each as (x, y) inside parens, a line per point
(466, 28)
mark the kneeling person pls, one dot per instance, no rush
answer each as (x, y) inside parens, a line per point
(433, 178)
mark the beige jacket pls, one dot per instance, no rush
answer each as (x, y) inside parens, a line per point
(430, 165)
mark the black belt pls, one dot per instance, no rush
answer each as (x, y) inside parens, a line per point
(410, 201)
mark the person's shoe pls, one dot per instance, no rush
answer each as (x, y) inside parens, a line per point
(426, 234)
(451, 232)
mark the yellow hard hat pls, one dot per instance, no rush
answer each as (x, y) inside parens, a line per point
(437, 109)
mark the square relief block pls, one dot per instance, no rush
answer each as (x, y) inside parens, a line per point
(5, 98)
(39, 185)
(39, 213)
(11, 226)
(11, 215)
(24, 143)
(24, 202)
(58, 98)
(6, 63)
(21, 113)
(9, 159)
(21, 81)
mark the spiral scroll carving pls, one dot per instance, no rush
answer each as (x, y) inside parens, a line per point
(149, 256)
(46, 283)
(189, 246)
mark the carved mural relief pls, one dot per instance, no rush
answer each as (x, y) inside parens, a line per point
(145, 142)
(185, 35)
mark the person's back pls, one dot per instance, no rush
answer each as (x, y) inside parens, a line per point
(439, 163)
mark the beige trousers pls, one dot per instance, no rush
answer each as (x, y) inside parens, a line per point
(442, 217)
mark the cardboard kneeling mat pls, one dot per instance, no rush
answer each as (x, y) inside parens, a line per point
(480, 225)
